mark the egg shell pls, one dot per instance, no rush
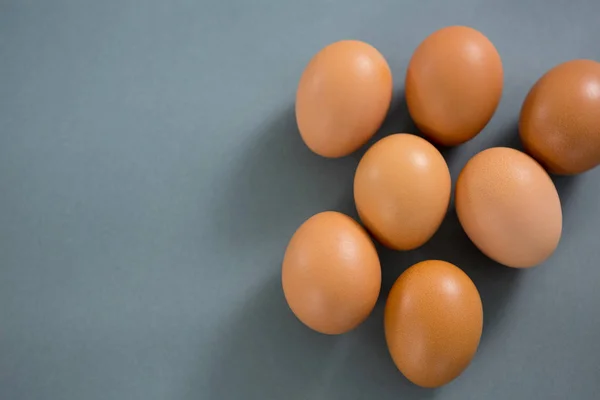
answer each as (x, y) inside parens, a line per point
(343, 97)
(560, 118)
(433, 322)
(453, 84)
(402, 190)
(331, 274)
(509, 207)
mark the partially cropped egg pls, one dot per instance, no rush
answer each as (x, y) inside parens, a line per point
(433, 322)
(560, 118)
(453, 84)
(509, 207)
(402, 190)
(343, 97)
(331, 274)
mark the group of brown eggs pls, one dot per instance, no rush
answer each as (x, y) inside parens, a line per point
(505, 200)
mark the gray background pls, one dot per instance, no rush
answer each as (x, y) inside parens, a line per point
(151, 175)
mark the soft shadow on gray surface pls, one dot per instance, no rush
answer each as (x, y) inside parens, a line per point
(276, 184)
(566, 186)
(508, 136)
(397, 121)
(267, 353)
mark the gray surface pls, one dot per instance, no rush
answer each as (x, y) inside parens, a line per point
(151, 176)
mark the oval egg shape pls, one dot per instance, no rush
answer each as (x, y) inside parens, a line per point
(331, 274)
(402, 190)
(433, 322)
(560, 118)
(509, 207)
(453, 84)
(343, 97)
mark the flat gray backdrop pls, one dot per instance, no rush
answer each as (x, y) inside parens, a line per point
(151, 175)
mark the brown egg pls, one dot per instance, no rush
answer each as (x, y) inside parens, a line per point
(343, 97)
(560, 118)
(453, 84)
(331, 274)
(402, 190)
(433, 322)
(509, 207)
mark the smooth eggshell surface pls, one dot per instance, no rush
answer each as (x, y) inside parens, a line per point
(402, 190)
(331, 274)
(453, 84)
(560, 118)
(433, 322)
(509, 207)
(343, 97)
